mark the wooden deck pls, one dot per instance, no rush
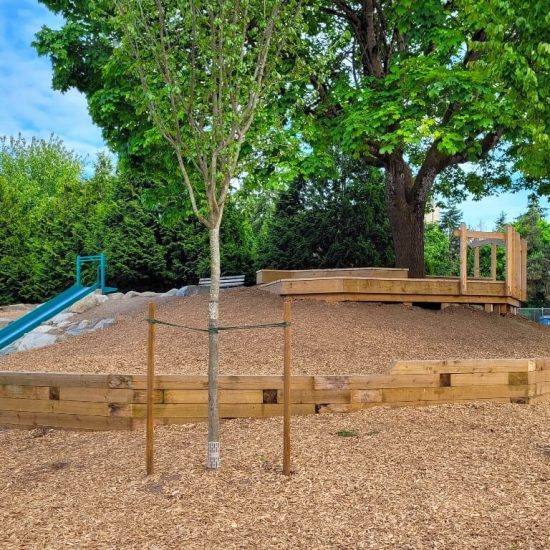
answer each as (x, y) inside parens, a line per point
(444, 291)
(372, 284)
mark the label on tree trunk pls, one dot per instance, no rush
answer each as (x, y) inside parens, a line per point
(213, 310)
(213, 459)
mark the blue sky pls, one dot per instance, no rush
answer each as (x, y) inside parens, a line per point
(29, 106)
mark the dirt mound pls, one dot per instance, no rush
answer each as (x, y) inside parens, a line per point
(327, 338)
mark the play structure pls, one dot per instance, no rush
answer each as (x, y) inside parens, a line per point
(62, 301)
(394, 285)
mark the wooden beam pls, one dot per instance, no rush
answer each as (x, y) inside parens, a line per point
(524, 269)
(476, 243)
(517, 265)
(463, 260)
(494, 262)
(480, 234)
(509, 260)
(476, 263)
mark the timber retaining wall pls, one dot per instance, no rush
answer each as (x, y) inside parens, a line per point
(117, 402)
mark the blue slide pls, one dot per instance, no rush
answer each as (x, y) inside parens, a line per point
(56, 305)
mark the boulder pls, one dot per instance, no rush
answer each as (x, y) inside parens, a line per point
(87, 303)
(77, 330)
(60, 318)
(8, 349)
(115, 296)
(149, 294)
(132, 294)
(183, 291)
(42, 329)
(104, 323)
(33, 340)
(172, 292)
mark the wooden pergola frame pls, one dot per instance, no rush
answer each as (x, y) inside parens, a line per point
(516, 258)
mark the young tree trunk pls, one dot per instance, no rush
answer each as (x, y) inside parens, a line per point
(213, 455)
(406, 208)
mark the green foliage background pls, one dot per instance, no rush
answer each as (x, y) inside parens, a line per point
(51, 209)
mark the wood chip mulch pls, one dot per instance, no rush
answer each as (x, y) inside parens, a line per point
(342, 338)
(450, 477)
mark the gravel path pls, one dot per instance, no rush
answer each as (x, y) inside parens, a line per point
(450, 477)
(328, 338)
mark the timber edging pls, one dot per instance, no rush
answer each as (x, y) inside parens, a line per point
(117, 402)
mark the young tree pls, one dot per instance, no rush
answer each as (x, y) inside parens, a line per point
(420, 88)
(206, 69)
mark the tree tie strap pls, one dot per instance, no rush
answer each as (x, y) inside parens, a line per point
(215, 330)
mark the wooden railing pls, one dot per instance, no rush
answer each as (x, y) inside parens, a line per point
(516, 258)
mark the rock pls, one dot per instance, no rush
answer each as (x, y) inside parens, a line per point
(194, 290)
(172, 292)
(42, 329)
(132, 294)
(183, 291)
(115, 296)
(149, 294)
(87, 303)
(8, 349)
(34, 340)
(77, 330)
(60, 318)
(63, 324)
(104, 323)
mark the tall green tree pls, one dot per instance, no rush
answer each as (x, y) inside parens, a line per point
(534, 227)
(421, 88)
(329, 219)
(451, 218)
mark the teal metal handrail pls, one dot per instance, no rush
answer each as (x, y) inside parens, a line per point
(100, 271)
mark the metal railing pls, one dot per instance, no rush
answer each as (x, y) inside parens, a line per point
(533, 313)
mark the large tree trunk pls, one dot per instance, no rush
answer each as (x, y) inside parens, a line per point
(213, 455)
(406, 205)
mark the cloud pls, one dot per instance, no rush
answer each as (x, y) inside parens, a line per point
(28, 105)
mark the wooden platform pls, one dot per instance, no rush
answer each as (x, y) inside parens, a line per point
(491, 294)
(371, 284)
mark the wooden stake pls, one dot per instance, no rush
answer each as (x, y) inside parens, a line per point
(150, 390)
(287, 316)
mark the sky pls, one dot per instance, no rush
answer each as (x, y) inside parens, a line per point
(30, 107)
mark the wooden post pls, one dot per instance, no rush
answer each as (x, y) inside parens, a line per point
(150, 391)
(494, 262)
(509, 260)
(517, 265)
(476, 262)
(524, 269)
(463, 260)
(287, 316)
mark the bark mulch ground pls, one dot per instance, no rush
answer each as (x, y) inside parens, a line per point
(451, 477)
(342, 338)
